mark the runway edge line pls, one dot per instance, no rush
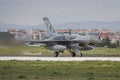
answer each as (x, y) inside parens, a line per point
(61, 58)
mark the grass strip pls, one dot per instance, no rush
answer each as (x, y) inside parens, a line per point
(43, 70)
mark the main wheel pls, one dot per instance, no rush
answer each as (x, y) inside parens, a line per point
(56, 54)
(73, 54)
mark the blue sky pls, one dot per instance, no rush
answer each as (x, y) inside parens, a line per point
(31, 12)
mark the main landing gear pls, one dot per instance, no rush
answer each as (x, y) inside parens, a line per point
(74, 54)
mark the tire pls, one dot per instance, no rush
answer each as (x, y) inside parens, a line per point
(56, 54)
(73, 54)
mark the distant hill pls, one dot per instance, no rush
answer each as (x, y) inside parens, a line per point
(5, 27)
(113, 26)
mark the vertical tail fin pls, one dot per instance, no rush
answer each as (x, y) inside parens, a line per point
(48, 25)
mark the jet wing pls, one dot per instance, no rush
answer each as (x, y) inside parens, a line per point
(58, 42)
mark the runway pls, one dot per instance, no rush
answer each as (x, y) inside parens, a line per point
(61, 58)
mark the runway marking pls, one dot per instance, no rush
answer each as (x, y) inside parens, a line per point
(61, 58)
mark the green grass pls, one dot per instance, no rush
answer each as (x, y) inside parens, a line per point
(39, 70)
(103, 52)
(21, 50)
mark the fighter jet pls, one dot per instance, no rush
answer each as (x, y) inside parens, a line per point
(72, 42)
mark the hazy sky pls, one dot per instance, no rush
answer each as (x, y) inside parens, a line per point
(31, 12)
